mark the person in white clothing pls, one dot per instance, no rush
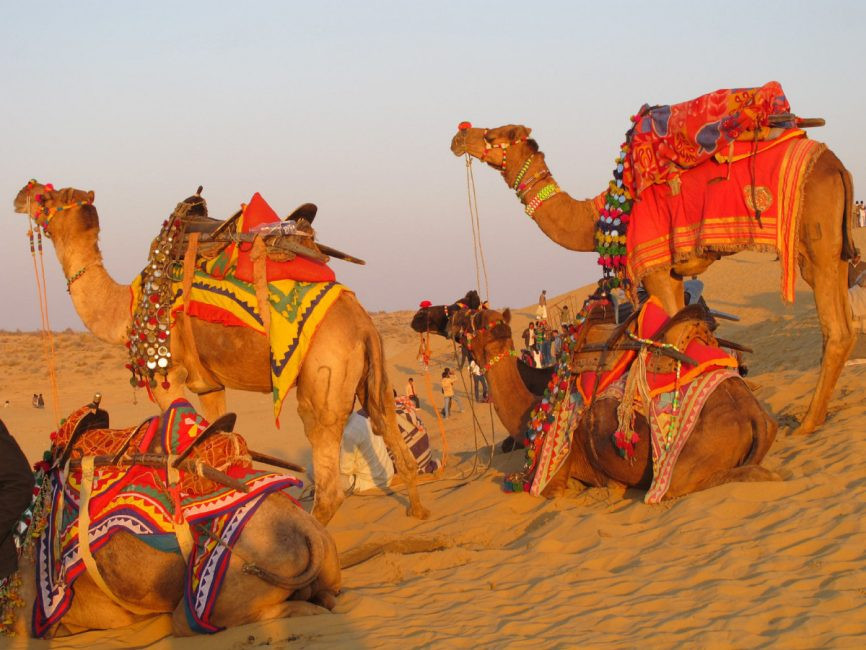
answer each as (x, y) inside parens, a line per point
(364, 460)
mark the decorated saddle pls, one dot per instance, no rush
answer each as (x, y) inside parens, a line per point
(108, 480)
(715, 175)
(251, 278)
(659, 367)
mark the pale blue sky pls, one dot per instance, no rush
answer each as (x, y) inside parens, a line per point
(351, 105)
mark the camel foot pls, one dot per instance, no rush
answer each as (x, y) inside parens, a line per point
(806, 427)
(326, 599)
(418, 511)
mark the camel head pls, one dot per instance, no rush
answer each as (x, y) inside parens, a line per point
(505, 148)
(60, 213)
(487, 333)
(437, 318)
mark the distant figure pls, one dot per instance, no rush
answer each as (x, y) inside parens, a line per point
(411, 394)
(447, 383)
(564, 316)
(35, 401)
(6, 405)
(16, 492)
(364, 460)
(861, 214)
(40, 402)
(529, 336)
(541, 312)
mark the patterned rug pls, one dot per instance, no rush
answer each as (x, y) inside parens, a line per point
(136, 500)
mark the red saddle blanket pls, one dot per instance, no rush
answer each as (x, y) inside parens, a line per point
(712, 208)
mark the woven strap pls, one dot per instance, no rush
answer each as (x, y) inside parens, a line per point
(84, 538)
(181, 525)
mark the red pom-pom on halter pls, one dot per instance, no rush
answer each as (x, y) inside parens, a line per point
(425, 303)
(464, 126)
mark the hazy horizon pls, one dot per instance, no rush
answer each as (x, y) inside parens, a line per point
(352, 107)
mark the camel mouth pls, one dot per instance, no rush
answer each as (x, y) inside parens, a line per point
(458, 144)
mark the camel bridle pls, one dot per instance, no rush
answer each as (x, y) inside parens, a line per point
(504, 146)
(43, 216)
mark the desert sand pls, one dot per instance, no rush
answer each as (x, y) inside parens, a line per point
(742, 565)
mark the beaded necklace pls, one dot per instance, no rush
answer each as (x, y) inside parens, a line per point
(549, 190)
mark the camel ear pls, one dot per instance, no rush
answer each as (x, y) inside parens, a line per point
(518, 132)
(90, 196)
(506, 315)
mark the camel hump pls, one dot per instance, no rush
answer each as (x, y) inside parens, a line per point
(304, 211)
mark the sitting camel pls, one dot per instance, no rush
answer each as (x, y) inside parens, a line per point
(732, 435)
(345, 360)
(283, 563)
(823, 238)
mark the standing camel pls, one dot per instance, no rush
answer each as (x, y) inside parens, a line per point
(732, 435)
(345, 359)
(824, 236)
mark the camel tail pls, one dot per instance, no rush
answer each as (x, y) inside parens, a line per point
(376, 396)
(850, 252)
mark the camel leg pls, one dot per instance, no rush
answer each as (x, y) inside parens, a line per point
(667, 288)
(213, 403)
(830, 287)
(744, 474)
(324, 412)
(407, 467)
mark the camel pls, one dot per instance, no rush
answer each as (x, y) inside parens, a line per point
(345, 359)
(731, 437)
(298, 556)
(824, 238)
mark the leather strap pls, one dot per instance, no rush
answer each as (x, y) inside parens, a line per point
(84, 538)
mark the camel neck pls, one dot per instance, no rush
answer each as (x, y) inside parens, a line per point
(511, 399)
(101, 303)
(569, 222)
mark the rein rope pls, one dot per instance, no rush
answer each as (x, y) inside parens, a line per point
(477, 247)
(42, 296)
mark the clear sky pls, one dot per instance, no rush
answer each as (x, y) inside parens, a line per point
(352, 105)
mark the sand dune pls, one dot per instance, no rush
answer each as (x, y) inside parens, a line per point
(741, 565)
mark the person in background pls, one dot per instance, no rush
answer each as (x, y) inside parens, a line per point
(411, 393)
(447, 382)
(40, 401)
(529, 336)
(16, 492)
(541, 312)
(479, 382)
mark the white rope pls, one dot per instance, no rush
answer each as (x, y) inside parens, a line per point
(477, 247)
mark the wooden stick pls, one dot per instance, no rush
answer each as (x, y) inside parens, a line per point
(276, 462)
(601, 347)
(340, 255)
(160, 460)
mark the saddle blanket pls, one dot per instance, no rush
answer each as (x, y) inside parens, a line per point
(671, 425)
(667, 139)
(136, 499)
(712, 208)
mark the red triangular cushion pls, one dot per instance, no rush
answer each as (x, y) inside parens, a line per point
(301, 268)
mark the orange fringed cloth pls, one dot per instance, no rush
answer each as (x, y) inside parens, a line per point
(710, 208)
